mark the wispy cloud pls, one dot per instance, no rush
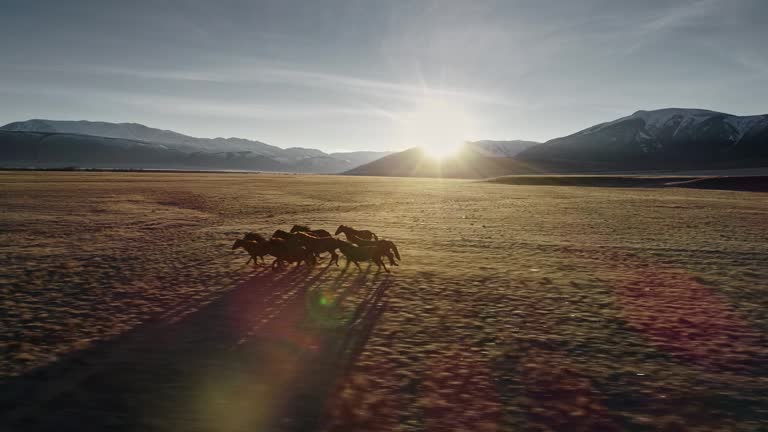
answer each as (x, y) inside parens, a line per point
(294, 76)
(200, 106)
(670, 19)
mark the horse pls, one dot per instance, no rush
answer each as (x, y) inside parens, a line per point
(387, 245)
(355, 254)
(292, 238)
(319, 245)
(255, 249)
(291, 252)
(316, 233)
(363, 234)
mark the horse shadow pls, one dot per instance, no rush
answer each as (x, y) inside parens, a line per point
(248, 359)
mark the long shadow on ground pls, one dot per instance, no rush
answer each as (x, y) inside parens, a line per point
(264, 356)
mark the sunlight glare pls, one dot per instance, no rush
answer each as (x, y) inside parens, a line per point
(439, 128)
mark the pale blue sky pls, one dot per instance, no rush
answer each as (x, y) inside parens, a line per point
(353, 75)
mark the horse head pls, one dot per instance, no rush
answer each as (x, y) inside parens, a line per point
(238, 243)
(341, 229)
(254, 237)
(281, 234)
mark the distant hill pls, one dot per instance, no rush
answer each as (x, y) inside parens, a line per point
(47, 143)
(673, 138)
(469, 163)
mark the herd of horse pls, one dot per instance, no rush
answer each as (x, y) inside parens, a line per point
(306, 245)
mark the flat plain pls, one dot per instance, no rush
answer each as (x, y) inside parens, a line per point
(123, 306)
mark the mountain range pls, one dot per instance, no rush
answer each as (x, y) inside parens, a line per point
(45, 143)
(673, 138)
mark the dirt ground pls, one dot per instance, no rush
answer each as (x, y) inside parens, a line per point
(123, 307)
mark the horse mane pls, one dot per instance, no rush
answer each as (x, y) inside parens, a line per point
(300, 228)
(306, 234)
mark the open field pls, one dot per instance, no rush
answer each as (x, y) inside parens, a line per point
(123, 307)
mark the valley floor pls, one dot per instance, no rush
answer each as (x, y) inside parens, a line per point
(123, 307)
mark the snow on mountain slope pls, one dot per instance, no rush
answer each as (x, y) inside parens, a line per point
(681, 119)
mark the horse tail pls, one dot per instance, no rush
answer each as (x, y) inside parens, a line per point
(394, 249)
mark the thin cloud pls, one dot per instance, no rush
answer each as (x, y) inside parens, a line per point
(671, 19)
(271, 74)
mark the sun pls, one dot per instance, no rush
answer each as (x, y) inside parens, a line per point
(438, 127)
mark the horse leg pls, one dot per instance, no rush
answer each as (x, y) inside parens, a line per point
(334, 259)
(383, 265)
(358, 265)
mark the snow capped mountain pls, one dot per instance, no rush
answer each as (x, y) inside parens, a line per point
(678, 120)
(501, 148)
(665, 137)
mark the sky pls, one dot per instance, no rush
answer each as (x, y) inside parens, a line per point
(342, 75)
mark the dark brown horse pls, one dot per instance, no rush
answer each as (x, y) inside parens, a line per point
(316, 233)
(357, 254)
(290, 252)
(363, 234)
(292, 238)
(319, 245)
(387, 245)
(255, 249)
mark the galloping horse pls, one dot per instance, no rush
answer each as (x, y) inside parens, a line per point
(292, 238)
(387, 245)
(285, 250)
(355, 254)
(316, 233)
(255, 249)
(363, 234)
(319, 245)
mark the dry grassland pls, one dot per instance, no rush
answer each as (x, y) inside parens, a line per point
(123, 307)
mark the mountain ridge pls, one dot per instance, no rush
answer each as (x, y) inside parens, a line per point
(666, 137)
(288, 159)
